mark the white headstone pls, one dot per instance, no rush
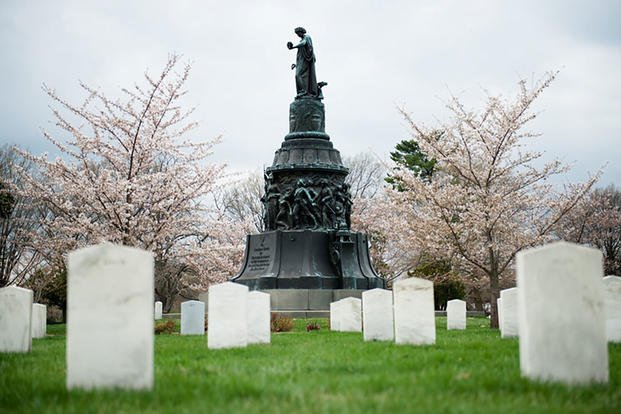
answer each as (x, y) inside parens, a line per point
(39, 320)
(110, 318)
(612, 299)
(510, 324)
(258, 317)
(456, 314)
(335, 316)
(377, 315)
(414, 311)
(500, 315)
(350, 315)
(15, 319)
(157, 310)
(561, 310)
(227, 315)
(193, 318)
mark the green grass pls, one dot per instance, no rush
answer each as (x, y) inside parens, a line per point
(315, 372)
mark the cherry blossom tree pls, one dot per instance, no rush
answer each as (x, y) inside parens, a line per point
(489, 197)
(371, 214)
(382, 220)
(375, 214)
(130, 173)
(596, 221)
(19, 220)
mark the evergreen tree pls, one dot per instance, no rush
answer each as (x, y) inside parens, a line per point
(409, 155)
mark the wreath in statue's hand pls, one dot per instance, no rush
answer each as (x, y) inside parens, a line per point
(289, 45)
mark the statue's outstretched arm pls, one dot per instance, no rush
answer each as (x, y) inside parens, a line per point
(292, 46)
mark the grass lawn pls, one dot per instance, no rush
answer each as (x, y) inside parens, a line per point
(312, 372)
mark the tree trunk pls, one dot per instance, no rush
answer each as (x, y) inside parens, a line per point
(64, 312)
(474, 297)
(494, 294)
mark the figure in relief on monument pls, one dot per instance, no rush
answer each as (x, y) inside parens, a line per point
(304, 205)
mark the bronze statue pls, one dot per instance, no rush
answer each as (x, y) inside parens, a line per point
(305, 78)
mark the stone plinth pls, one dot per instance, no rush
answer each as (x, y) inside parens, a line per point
(39, 320)
(227, 316)
(500, 315)
(259, 322)
(110, 318)
(562, 320)
(193, 318)
(15, 319)
(377, 315)
(414, 312)
(157, 310)
(456, 314)
(350, 314)
(612, 291)
(510, 324)
(335, 317)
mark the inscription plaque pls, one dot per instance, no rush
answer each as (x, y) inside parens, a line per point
(261, 253)
(260, 259)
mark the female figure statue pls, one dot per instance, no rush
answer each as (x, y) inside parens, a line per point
(305, 78)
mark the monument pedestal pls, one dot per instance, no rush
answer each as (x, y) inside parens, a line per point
(307, 259)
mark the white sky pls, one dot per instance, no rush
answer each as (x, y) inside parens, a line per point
(375, 55)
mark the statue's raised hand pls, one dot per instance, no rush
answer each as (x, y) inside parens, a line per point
(289, 45)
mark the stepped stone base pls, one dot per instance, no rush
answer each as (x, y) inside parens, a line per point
(303, 303)
(308, 299)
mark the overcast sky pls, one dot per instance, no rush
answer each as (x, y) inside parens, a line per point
(375, 55)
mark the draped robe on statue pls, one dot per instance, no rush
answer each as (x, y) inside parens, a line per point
(305, 78)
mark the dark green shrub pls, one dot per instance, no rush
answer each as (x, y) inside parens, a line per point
(446, 290)
(446, 284)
